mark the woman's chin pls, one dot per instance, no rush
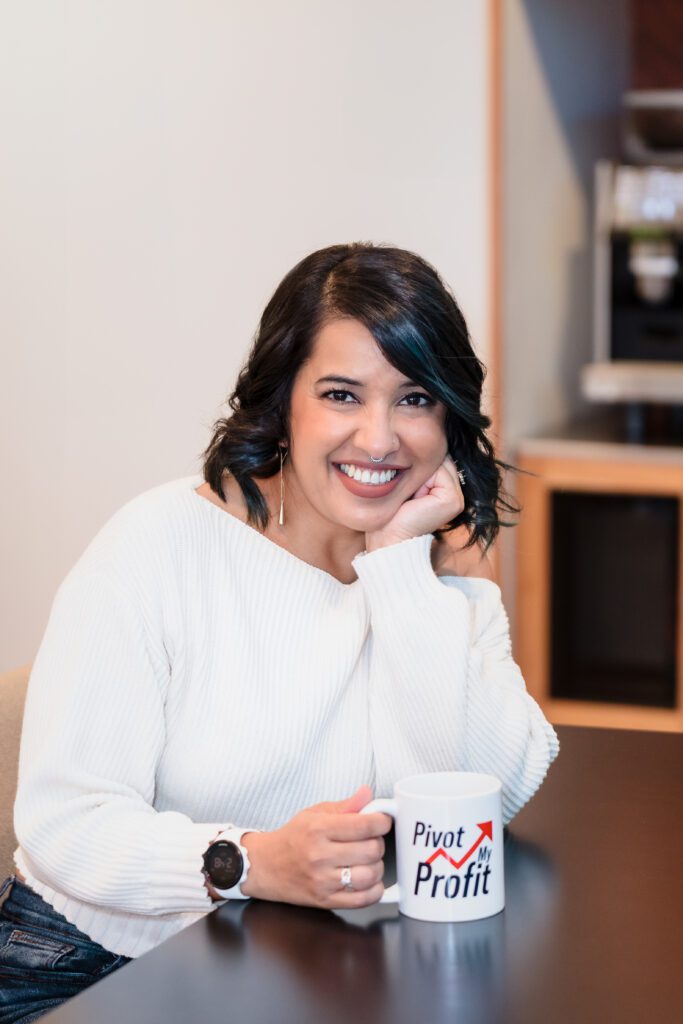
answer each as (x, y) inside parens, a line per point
(365, 523)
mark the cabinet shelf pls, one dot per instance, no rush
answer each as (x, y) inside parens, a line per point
(633, 613)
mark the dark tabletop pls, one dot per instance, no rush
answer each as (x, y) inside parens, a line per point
(592, 928)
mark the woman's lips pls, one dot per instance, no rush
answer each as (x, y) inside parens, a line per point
(368, 490)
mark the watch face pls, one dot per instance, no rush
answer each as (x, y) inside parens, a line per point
(224, 864)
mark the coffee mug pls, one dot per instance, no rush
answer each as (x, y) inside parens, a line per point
(449, 846)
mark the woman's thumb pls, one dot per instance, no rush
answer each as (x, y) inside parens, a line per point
(357, 802)
(351, 804)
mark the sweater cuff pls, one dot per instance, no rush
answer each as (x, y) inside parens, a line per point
(404, 566)
(176, 872)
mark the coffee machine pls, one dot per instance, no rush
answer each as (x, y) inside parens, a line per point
(638, 270)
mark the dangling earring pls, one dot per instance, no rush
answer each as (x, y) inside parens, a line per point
(282, 485)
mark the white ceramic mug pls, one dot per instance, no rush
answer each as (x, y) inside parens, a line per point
(449, 846)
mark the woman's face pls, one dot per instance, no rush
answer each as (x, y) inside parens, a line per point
(337, 422)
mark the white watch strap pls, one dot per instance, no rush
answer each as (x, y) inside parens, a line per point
(234, 835)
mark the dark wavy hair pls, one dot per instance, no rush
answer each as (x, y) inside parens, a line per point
(420, 330)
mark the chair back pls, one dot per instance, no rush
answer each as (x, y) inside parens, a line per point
(12, 696)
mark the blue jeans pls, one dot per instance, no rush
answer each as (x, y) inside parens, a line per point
(44, 960)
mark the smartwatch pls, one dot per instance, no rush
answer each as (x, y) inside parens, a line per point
(226, 863)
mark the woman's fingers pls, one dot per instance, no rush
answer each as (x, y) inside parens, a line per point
(363, 876)
(347, 828)
(350, 899)
(348, 854)
(305, 857)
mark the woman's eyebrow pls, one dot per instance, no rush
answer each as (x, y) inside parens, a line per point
(335, 379)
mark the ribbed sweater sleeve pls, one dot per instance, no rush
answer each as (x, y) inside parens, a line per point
(445, 693)
(92, 737)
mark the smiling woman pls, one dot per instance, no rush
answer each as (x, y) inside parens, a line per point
(314, 613)
(378, 323)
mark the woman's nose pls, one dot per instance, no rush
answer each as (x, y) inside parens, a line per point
(376, 434)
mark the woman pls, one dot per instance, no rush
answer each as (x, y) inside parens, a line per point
(240, 661)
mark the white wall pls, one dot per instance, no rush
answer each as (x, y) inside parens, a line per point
(162, 165)
(565, 68)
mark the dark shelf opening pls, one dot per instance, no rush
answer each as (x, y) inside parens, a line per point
(614, 565)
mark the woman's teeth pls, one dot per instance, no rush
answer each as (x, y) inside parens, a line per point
(368, 476)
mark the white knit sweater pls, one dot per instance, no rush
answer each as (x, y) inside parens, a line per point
(194, 674)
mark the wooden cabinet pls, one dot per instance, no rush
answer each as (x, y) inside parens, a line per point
(599, 580)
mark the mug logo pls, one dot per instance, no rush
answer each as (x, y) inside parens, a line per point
(486, 830)
(454, 884)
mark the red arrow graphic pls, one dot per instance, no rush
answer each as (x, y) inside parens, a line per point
(486, 831)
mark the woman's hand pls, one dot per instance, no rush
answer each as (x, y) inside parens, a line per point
(301, 862)
(435, 503)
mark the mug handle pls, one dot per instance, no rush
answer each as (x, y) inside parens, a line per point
(389, 895)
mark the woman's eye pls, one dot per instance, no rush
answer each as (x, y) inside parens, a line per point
(419, 394)
(328, 394)
(426, 399)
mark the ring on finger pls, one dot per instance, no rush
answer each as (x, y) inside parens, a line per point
(346, 878)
